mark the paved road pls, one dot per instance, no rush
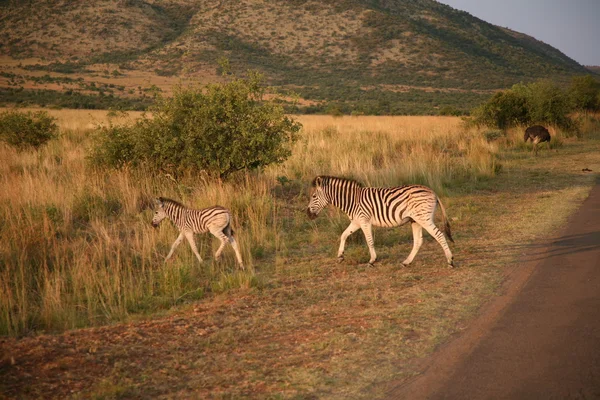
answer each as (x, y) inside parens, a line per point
(541, 340)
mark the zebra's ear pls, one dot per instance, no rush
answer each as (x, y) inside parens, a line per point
(158, 201)
(317, 181)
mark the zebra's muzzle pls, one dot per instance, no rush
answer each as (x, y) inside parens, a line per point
(311, 214)
(154, 225)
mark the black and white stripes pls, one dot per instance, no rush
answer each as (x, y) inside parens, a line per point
(387, 207)
(216, 220)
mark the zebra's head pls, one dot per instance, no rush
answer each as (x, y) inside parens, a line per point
(318, 200)
(159, 213)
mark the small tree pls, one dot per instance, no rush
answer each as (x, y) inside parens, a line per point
(503, 110)
(546, 103)
(219, 129)
(539, 102)
(584, 93)
(27, 130)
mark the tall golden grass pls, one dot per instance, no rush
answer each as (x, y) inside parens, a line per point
(78, 248)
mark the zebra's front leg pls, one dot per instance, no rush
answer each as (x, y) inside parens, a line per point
(353, 227)
(368, 231)
(190, 237)
(174, 246)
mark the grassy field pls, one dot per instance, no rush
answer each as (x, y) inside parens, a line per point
(79, 251)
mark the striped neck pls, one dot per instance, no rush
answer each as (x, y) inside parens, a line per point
(340, 192)
(175, 211)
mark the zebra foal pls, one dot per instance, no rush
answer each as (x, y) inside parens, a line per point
(387, 207)
(216, 220)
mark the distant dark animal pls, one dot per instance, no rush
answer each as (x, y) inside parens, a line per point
(537, 134)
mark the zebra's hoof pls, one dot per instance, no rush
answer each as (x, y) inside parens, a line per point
(451, 264)
(371, 264)
(340, 259)
(405, 264)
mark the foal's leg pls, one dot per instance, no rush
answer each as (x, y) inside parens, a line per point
(224, 240)
(190, 238)
(174, 246)
(236, 248)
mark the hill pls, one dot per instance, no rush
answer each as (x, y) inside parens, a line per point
(594, 68)
(391, 56)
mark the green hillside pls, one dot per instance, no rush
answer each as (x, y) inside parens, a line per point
(395, 56)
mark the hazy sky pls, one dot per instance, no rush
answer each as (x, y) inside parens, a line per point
(572, 26)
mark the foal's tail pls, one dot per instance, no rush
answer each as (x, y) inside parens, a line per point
(228, 230)
(445, 221)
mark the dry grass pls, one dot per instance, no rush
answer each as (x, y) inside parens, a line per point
(81, 252)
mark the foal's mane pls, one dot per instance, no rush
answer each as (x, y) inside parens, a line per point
(167, 200)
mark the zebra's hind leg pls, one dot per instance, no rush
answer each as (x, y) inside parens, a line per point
(224, 240)
(236, 248)
(353, 227)
(441, 239)
(226, 236)
(190, 237)
(418, 241)
(368, 231)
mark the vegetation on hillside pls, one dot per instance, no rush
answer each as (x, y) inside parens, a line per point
(365, 56)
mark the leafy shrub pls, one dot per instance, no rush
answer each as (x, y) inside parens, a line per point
(26, 130)
(546, 103)
(584, 93)
(539, 102)
(219, 129)
(115, 145)
(503, 110)
(450, 111)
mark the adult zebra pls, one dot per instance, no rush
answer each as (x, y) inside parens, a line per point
(388, 207)
(215, 219)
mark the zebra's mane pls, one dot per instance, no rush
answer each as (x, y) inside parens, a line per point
(167, 200)
(334, 179)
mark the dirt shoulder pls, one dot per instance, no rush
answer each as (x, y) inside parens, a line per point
(540, 339)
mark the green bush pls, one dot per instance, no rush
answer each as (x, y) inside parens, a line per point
(220, 129)
(540, 102)
(503, 110)
(584, 93)
(450, 111)
(27, 130)
(547, 103)
(114, 145)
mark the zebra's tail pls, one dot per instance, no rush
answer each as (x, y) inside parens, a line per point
(445, 221)
(228, 230)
